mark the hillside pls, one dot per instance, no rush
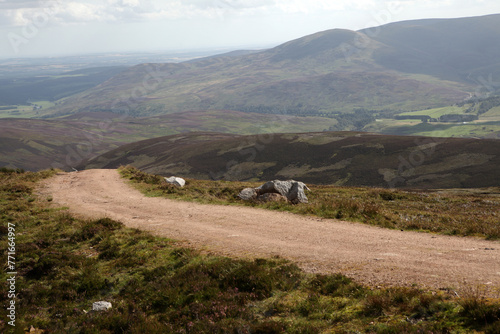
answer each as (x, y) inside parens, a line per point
(341, 158)
(457, 49)
(34, 144)
(403, 66)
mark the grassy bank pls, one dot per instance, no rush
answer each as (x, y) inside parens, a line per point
(65, 264)
(464, 213)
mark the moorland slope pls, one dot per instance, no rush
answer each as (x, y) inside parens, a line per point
(35, 144)
(341, 158)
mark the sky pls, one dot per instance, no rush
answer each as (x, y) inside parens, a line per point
(34, 28)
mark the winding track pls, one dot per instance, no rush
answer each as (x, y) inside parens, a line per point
(371, 255)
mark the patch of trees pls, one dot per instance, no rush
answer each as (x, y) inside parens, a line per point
(481, 105)
(297, 110)
(488, 104)
(355, 121)
(458, 118)
(8, 107)
(423, 118)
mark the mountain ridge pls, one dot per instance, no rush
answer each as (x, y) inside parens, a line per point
(436, 54)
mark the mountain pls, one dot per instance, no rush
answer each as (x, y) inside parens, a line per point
(398, 67)
(341, 158)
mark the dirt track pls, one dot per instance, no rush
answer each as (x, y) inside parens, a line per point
(371, 255)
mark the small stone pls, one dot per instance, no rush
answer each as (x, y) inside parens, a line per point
(101, 306)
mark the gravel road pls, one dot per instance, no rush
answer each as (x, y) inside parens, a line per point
(370, 255)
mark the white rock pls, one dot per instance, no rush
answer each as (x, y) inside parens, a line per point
(101, 306)
(179, 182)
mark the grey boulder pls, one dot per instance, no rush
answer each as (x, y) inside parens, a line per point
(248, 194)
(293, 191)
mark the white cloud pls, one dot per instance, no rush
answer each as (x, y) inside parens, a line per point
(17, 4)
(21, 12)
(81, 12)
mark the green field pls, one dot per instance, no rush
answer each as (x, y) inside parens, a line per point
(438, 112)
(479, 129)
(487, 126)
(492, 115)
(25, 111)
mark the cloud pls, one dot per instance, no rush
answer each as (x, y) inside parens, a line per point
(18, 4)
(21, 12)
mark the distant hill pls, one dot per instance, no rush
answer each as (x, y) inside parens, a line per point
(399, 67)
(342, 158)
(64, 143)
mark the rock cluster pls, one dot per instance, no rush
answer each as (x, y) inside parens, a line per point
(292, 191)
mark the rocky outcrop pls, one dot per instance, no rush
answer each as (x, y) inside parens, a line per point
(293, 191)
(176, 181)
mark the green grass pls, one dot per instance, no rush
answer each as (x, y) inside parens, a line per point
(466, 213)
(65, 264)
(438, 112)
(488, 125)
(21, 111)
(492, 115)
(477, 129)
(25, 111)
(44, 104)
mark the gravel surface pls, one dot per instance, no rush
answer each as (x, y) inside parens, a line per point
(371, 255)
